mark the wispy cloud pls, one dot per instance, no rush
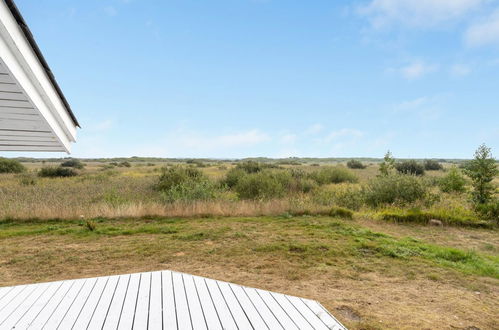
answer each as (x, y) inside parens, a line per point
(485, 32)
(415, 69)
(416, 13)
(314, 129)
(425, 108)
(460, 70)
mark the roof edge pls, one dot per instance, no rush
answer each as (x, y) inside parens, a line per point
(29, 37)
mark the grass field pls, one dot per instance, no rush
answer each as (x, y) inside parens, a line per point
(369, 272)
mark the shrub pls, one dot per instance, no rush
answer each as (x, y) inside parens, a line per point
(410, 167)
(176, 175)
(452, 181)
(190, 191)
(184, 183)
(394, 189)
(432, 165)
(339, 212)
(263, 185)
(330, 174)
(74, 163)
(57, 172)
(341, 195)
(233, 176)
(355, 164)
(489, 210)
(124, 164)
(482, 170)
(11, 166)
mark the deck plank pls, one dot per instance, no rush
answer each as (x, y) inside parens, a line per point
(142, 306)
(169, 311)
(210, 313)
(52, 313)
(155, 321)
(156, 300)
(102, 306)
(181, 304)
(114, 309)
(277, 310)
(128, 309)
(218, 300)
(22, 307)
(34, 310)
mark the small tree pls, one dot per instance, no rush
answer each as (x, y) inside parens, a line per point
(482, 170)
(388, 165)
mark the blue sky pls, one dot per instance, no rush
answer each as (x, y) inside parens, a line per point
(276, 78)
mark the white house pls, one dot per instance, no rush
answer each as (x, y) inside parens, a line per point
(34, 114)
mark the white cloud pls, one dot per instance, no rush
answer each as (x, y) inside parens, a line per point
(485, 32)
(460, 70)
(314, 129)
(426, 107)
(417, 13)
(416, 69)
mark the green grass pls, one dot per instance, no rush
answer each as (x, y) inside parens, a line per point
(310, 239)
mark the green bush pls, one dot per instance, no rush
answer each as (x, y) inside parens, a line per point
(339, 212)
(330, 174)
(190, 191)
(263, 185)
(233, 176)
(394, 189)
(489, 210)
(340, 195)
(11, 166)
(124, 164)
(355, 164)
(57, 172)
(176, 175)
(74, 163)
(410, 167)
(452, 181)
(432, 165)
(184, 183)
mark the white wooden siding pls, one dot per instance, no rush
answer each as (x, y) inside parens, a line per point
(22, 128)
(33, 112)
(156, 300)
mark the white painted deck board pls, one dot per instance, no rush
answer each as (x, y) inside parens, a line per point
(156, 300)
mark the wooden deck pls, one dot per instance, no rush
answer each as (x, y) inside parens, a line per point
(156, 300)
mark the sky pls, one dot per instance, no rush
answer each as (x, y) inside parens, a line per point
(274, 78)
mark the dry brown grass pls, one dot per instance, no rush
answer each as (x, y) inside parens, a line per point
(311, 257)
